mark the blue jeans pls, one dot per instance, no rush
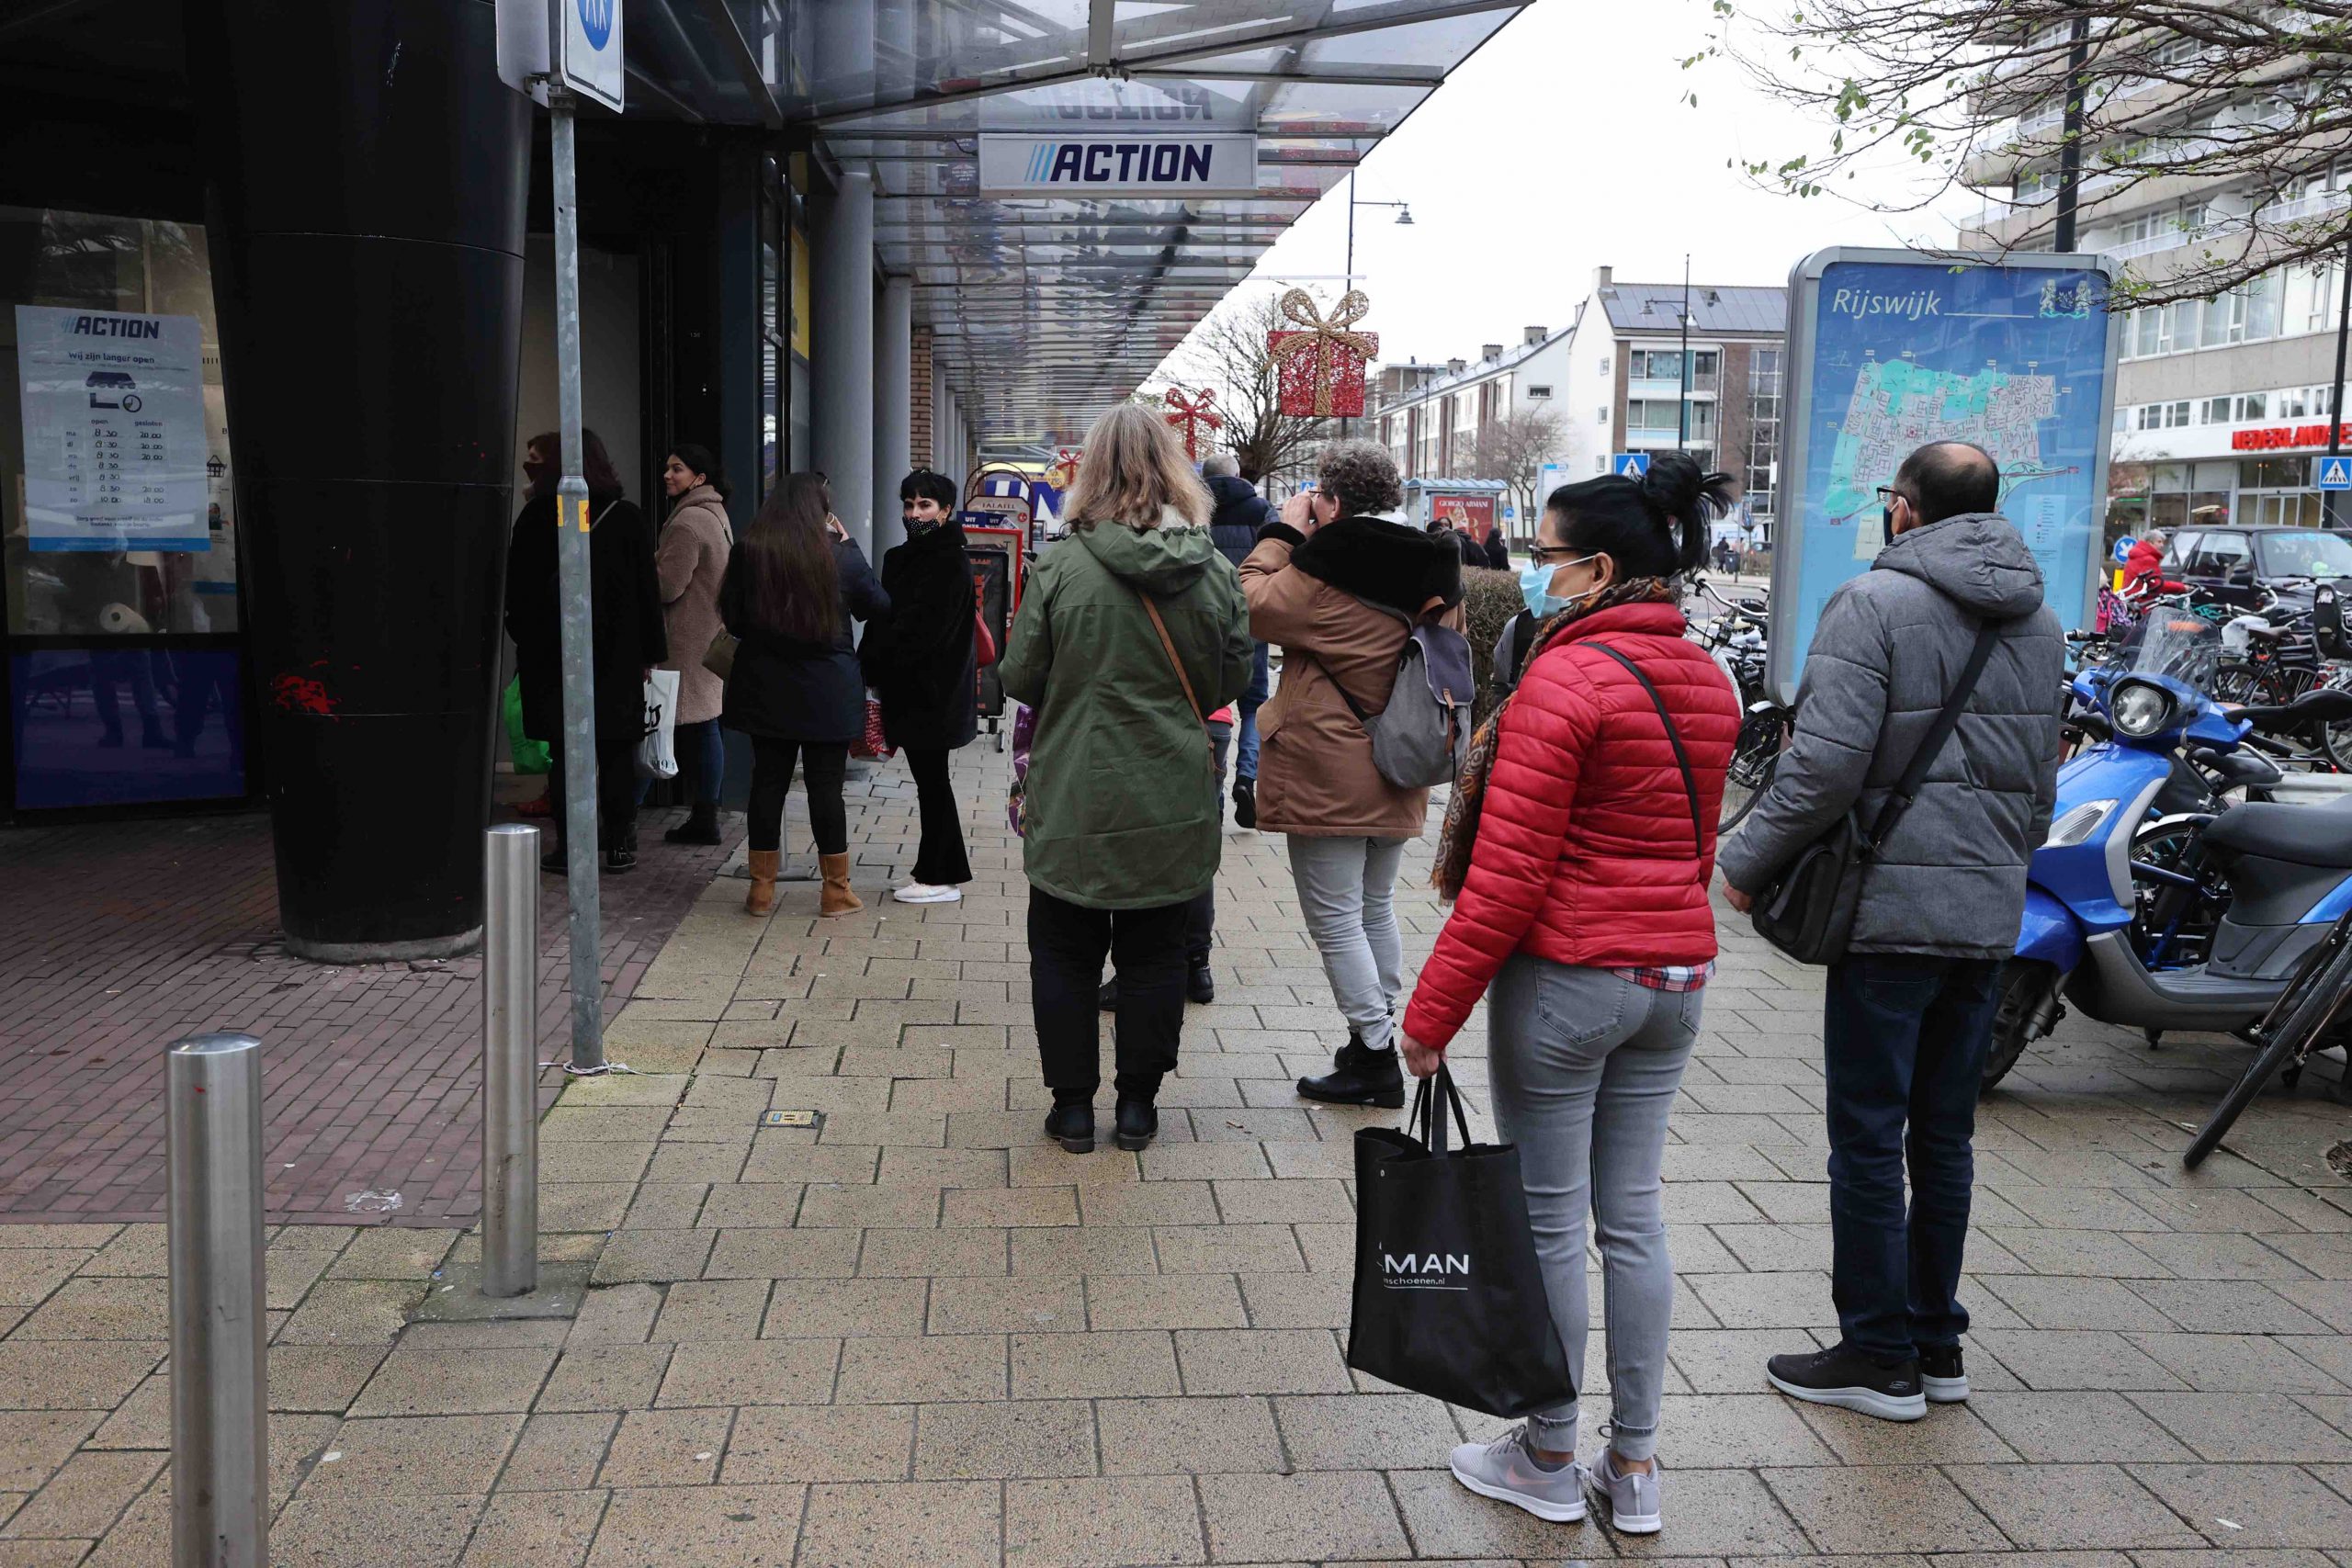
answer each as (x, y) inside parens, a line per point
(1261, 686)
(1903, 1037)
(1584, 1069)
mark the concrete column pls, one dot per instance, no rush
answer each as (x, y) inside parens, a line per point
(893, 410)
(842, 351)
(943, 439)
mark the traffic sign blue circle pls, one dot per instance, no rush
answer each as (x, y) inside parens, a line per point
(596, 21)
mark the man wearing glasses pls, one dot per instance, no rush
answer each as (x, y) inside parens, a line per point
(1909, 1009)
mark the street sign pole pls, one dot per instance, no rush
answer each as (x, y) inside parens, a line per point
(2330, 509)
(572, 523)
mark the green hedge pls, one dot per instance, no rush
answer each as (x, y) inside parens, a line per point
(1489, 599)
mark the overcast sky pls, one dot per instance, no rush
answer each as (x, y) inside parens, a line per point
(1560, 146)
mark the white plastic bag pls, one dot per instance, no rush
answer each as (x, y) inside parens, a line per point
(657, 754)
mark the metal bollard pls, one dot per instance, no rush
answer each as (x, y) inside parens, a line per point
(219, 1334)
(510, 1064)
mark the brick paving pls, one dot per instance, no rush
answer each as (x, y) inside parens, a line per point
(920, 1335)
(118, 938)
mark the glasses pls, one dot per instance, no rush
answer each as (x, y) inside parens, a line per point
(1540, 554)
(1888, 495)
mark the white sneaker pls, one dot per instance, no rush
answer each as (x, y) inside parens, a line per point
(1505, 1471)
(928, 892)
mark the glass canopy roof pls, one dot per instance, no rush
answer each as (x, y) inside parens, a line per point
(1044, 310)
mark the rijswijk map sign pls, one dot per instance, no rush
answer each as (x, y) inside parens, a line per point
(1890, 350)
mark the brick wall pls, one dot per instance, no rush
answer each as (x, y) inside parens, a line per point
(918, 389)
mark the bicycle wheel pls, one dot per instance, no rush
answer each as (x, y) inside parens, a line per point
(1763, 735)
(2303, 1010)
(2233, 682)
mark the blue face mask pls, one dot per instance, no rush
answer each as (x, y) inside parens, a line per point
(1535, 587)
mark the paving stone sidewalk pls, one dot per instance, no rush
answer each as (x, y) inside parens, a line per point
(919, 1335)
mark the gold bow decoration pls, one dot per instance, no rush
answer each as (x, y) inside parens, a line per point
(1064, 472)
(1321, 368)
(1190, 414)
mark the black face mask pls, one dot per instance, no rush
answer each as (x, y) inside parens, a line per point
(918, 527)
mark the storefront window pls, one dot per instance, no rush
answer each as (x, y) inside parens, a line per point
(118, 520)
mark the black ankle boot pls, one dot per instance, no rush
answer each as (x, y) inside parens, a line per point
(700, 828)
(1138, 1122)
(1072, 1126)
(1107, 998)
(620, 861)
(1200, 986)
(1359, 1075)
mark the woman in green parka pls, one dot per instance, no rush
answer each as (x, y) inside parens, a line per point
(1124, 817)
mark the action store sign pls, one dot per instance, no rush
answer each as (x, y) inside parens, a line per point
(114, 430)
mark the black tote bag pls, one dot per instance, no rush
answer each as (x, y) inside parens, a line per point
(1449, 1297)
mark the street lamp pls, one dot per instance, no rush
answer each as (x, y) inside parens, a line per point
(1403, 220)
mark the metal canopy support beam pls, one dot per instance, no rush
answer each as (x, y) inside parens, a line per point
(1359, 78)
(642, 86)
(842, 373)
(746, 59)
(893, 406)
(1102, 34)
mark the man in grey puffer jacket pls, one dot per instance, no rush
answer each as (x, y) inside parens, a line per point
(1909, 1009)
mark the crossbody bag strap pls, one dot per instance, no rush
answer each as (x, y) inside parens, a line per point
(1907, 786)
(1674, 738)
(1168, 644)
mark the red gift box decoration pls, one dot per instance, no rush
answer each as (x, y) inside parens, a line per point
(1319, 371)
(1190, 414)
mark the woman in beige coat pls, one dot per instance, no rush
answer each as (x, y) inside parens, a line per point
(691, 560)
(1341, 589)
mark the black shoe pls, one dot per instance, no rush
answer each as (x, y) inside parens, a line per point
(1942, 1375)
(1072, 1126)
(1200, 986)
(1245, 803)
(1138, 1122)
(701, 827)
(1359, 1075)
(1107, 998)
(554, 861)
(621, 861)
(1851, 1380)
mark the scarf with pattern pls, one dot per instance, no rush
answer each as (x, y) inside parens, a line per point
(1461, 831)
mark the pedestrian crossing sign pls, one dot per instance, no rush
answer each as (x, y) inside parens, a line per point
(2332, 472)
(1629, 465)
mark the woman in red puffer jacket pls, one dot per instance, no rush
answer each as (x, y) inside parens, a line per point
(1579, 848)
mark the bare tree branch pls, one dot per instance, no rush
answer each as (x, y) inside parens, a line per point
(1229, 353)
(2248, 103)
(1514, 449)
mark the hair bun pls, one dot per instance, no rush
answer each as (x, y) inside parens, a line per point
(1679, 490)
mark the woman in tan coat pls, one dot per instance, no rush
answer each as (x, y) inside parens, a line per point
(691, 560)
(1341, 589)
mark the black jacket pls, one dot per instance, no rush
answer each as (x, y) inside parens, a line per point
(1497, 552)
(789, 689)
(1240, 512)
(624, 607)
(920, 659)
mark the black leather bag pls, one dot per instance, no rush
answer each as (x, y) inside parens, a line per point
(1807, 910)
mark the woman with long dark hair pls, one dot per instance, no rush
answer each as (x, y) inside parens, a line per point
(691, 561)
(792, 587)
(625, 605)
(1578, 844)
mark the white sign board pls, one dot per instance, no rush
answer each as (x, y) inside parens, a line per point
(1114, 163)
(113, 429)
(576, 41)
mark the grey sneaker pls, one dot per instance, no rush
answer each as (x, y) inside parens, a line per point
(1628, 1503)
(1505, 1471)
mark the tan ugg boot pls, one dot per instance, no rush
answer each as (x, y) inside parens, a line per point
(837, 898)
(761, 900)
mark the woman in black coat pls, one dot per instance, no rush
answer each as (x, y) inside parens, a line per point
(921, 662)
(624, 607)
(792, 587)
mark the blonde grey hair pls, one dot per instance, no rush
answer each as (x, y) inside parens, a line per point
(1220, 465)
(1134, 469)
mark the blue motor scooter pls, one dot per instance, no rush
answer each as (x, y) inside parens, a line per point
(2205, 937)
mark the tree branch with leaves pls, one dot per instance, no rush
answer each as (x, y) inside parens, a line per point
(2178, 99)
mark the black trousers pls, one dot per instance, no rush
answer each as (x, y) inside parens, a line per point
(823, 765)
(616, 787)
(1067, 946)
(940, 860)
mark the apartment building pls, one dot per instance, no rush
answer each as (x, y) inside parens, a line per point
(2218, 402)
(1430, 416)
(1626, 390)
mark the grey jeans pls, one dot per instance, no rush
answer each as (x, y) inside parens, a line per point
(1585, 1067)
(1347, 890)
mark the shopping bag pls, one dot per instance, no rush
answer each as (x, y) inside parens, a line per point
(1025, 735)
(530, 756)
(875, 743)
(1449, 1297)
(657, 754)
